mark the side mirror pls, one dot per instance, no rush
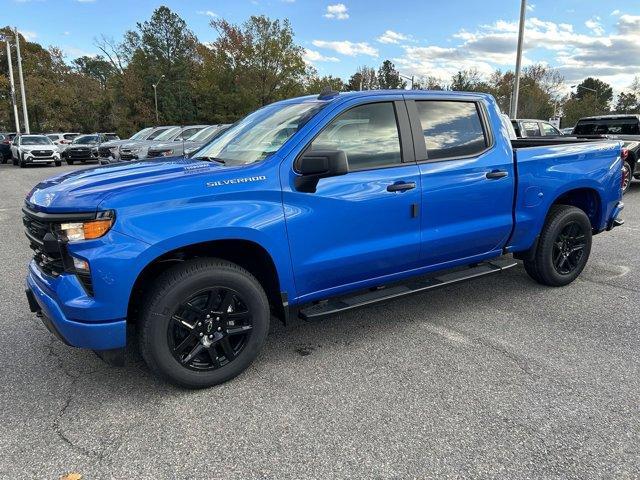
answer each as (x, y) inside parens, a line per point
(179, 139)
(316, 164)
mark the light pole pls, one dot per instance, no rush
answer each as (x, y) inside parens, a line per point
(155, 95)
(412, 78)
(13, 86)
(516, 86)
(25, 114)
(586, 88)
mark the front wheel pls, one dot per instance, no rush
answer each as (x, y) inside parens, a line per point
(203, 323)
(563, 248)
(69, 162)
(58, 163)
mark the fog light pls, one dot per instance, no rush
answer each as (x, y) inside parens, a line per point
(81, 266)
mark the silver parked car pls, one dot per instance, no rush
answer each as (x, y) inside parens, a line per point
(191, 144)
(138, 150)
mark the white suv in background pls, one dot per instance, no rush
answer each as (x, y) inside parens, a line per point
(61, 140)
(30, 149)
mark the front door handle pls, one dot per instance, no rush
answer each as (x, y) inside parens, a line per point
(401, 186)
(495, 174)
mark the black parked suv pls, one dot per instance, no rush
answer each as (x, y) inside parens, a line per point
(85, 147)
(5, 145)
(616, 127)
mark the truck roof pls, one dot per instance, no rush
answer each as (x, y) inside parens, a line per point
(337, 96)
(612, 117)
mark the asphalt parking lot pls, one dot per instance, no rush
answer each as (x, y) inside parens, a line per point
(495, 378)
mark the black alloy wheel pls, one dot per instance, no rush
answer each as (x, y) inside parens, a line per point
(568, 248)
(209, 329)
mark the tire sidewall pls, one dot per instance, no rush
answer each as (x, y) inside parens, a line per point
(159, 315)
(546, 268)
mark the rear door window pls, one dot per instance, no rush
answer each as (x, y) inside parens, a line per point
(451, 129)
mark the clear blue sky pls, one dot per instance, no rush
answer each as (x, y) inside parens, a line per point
(422, 37)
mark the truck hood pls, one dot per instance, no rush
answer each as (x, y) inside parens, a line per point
(84, 190)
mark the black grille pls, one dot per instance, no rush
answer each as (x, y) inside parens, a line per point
(79, 153)
(127, 155)
(50, 253)
(41, 153)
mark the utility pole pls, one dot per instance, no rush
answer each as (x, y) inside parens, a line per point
(13, 86)
(155, 95)
(516, 87)
(25, 114)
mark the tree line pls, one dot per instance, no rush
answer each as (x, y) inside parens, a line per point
(248, 65)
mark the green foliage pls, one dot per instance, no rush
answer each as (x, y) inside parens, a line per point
(247, 66)
(389, 77)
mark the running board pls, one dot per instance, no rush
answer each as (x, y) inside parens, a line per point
(409, 287)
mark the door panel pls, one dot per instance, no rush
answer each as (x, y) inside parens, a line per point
(467, 182)
(354, 228)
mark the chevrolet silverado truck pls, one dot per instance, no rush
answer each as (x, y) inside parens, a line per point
(305, 208)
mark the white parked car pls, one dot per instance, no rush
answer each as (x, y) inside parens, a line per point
(31, 149)
(61, 140)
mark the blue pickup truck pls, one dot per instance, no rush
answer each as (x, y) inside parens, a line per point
(305, 208)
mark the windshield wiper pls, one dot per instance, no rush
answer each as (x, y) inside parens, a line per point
(212, 159)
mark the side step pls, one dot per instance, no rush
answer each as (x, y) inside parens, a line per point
(395, 290)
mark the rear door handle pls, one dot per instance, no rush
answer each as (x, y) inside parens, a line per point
(495, 174)
(401, 186)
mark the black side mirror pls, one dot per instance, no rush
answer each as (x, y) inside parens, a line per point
(316, 164)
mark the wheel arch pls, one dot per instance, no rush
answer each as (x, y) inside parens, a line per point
(249, 254)
(586, 199)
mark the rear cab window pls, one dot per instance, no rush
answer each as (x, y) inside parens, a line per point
(608, 126)
(451, 129)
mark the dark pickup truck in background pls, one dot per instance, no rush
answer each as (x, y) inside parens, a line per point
(625, 128)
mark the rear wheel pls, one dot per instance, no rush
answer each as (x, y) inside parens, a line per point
(563, 248)
(69, 162)
(204, 323)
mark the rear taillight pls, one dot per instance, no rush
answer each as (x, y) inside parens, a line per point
(624, 154)
(6, 142)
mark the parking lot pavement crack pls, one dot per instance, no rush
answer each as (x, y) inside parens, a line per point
(518, 360)
(612, 285)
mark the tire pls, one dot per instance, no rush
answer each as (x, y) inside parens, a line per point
(3, 158)
(627, 175)
(22, 163)
(14, 161)
(563, 248)
(174, 295)
(69, 162)
(58, 164)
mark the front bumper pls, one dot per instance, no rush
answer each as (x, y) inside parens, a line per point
(105, 335)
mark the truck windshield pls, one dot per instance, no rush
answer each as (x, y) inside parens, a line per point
(260, 134)
(608, 126)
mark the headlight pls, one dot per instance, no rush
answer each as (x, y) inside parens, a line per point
(88, 230)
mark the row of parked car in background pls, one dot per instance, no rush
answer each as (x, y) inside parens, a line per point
(174, 140)
(105, 148)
